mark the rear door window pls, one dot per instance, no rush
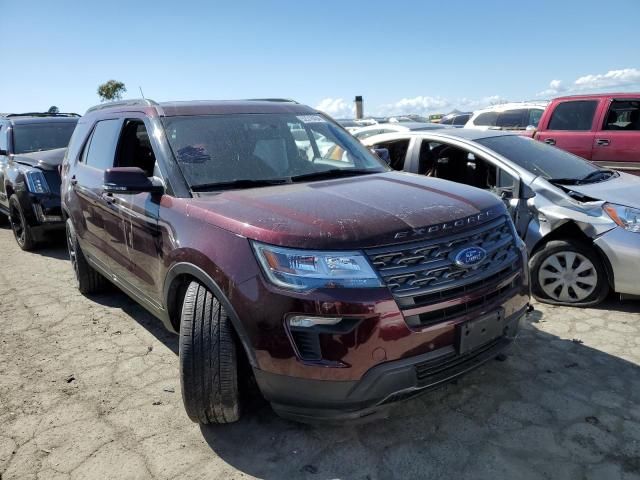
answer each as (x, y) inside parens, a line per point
(511, 118)
(101, 148)
(623, 115)
(574, 116)
(535, 114)
(487, 119)
(461, 120)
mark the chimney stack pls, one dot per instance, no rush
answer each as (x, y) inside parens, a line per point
(359, 111)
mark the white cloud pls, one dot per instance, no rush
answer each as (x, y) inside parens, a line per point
(418, 105)
(475, 104)
(424, 105)
(626, 77)
(613, 78)
(336, 107)
(555, 87)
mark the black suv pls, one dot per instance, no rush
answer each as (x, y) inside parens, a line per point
(32, 146)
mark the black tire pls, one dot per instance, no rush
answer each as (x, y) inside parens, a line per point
(208, 359)
(88, 280)
(21, 229)
(583, 289)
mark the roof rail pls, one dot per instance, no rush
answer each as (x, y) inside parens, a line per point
(280, 100)
(41, 114)
(124, 103)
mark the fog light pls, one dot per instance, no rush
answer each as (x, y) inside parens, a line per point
(308, 322)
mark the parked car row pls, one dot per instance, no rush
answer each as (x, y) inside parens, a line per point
(604, 127)
(282, 250)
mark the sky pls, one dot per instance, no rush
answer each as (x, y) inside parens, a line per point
(403, 56)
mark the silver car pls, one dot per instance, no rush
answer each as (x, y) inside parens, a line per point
(581, 223)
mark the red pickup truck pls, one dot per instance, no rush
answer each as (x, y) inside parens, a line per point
(604, 128)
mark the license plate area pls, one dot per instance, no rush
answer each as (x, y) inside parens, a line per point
(480, 331)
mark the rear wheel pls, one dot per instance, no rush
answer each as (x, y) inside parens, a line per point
(566, 273)
(19, 225)
(208, 359)
(88, 280)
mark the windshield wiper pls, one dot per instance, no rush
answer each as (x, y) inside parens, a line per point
(243, 183)
(564, 181)
(595, 175)
(333, 173)
(589, 178)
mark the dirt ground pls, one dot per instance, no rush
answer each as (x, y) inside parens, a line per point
(89, 389)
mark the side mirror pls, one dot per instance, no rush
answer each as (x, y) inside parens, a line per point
(531, 128)
(129, 180)
(383, 154)
(3, 153)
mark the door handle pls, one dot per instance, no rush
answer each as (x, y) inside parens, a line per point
(108, 197)
(603, 141)
(550, 141)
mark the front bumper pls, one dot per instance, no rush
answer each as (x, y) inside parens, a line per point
(622, 249)
(304, 399)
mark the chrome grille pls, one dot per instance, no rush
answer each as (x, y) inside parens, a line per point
(422, 268)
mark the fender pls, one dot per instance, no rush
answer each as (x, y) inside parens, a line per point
(183, 268)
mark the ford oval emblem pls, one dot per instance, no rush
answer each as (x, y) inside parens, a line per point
(469, 257)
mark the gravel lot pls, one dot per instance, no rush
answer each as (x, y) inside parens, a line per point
(89, 389)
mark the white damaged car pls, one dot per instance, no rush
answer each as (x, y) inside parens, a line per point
(580, 222)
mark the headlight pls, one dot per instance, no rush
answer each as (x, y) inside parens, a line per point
(626, 217)
(36, 183)
(308, 269)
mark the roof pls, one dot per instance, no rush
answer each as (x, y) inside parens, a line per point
(514, 105)
(20, 120)
(463, 133)
(207, 107)
(600, 95)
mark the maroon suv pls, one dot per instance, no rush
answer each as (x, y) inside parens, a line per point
(283, 250)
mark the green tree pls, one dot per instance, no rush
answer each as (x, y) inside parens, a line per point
(111, 90)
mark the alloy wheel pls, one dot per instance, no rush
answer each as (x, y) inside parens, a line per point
(568, 277)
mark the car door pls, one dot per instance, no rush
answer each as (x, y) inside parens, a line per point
(96, 229)
(571, 127)
(478, 170)
(617, 141)
(140, 264)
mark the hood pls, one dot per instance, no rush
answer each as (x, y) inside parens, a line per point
(44, 160)
(351, 213)
(623, 190)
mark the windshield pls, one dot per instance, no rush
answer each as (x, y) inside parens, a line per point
(539, 158)
(34, 137)
(217, 149)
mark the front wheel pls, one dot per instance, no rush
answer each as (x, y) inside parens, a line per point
(566, 273)
(20, 226)
(208, 359)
